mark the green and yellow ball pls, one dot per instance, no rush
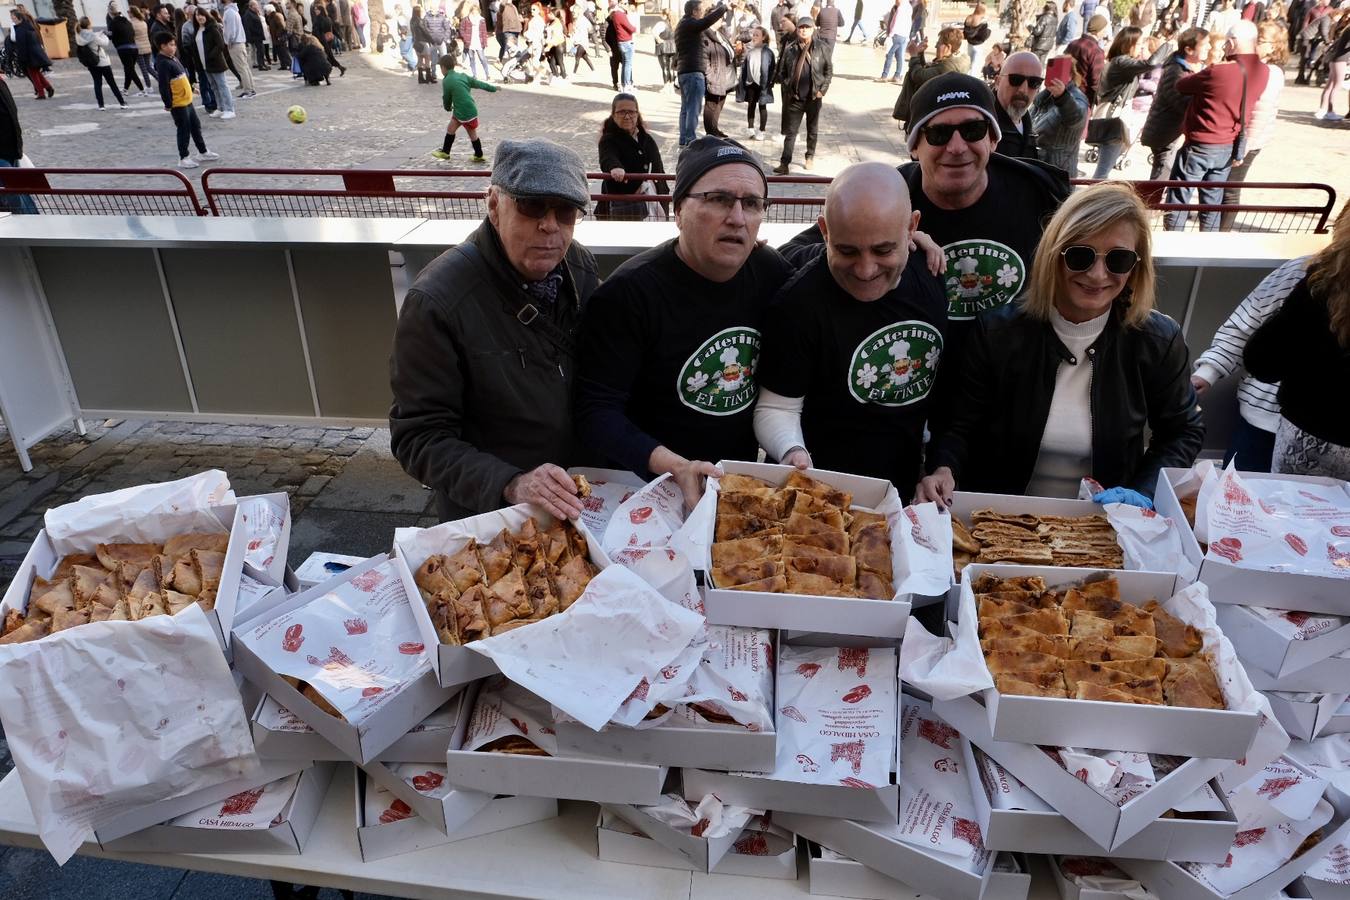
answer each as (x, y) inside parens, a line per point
(297, 115)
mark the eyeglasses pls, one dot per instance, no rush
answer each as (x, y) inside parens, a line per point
(1031, 81)
(726, 201)
(1080, 258)
(625, 112)
(971, 130)
(539, 207)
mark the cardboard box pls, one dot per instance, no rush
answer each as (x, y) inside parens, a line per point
(1261, 645)
(1110, 826)
(834, 875)
(616, 842)
(381, 729)
(1330, 674)
(454, 665)
(321, 566)
(843, 615)
(1319, 890)
(1176, 731)
(1203, 837)
(1172, 882)
(41, 560)
(1068, 890)
(449, 812)
(879, 847)
(288, 836)
(702, 853)
(571, 777)
(1339, 723)
(1254, 587)
(380, 840)
(879, 804)
(279, 734)
(152, 814)
(725, 746)
(1306, 720)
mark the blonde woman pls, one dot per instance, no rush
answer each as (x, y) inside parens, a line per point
(1306, 348)
(1082, 378)
(142, 31)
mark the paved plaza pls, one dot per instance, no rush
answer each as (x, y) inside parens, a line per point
(378, 116)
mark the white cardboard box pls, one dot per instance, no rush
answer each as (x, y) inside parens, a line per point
(879, 804)
(1110, 826)
(1340, 720)
(382, 728)
(619, 844)
(380, 840)
(448, 813)
(1306, 720)
(1171, 882)
(321, 566)
(1254, 587)
(1261, 646)
(1319, 890)
(458, 665)
(879, 847)
(1176, 731)
(1330, 674)
(287, 837)
(835, 875)
(844, 615)
(702, 853)
(279, 734)
(142, 817)
(42, 559)
(1070, 891)
(571, 777)
(727, 746)
(1203, 837)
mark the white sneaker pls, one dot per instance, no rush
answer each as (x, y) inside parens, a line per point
(1320, 114)
(750, 133)
(208, 156)
(759, 135)
(1333, 117)
(214, 114)
(103, 109)
(124, 106)
(187, 162)
(228, 115)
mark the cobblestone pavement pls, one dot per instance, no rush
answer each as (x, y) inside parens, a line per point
(379, 117)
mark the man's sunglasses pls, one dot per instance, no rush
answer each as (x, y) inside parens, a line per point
(971, 130)
(1080, 258)
(538, 208)
(1031, 81)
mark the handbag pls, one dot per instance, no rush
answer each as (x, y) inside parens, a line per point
(1240, 142)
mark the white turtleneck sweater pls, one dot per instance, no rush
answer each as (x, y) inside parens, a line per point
(1066, 443)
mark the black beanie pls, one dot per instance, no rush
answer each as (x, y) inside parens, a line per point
(708, 153)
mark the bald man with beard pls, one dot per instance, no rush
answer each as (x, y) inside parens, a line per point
(853, 343)
(1014, 89)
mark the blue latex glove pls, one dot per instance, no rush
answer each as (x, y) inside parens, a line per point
(1123, 495)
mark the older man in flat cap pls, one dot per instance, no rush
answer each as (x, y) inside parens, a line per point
(484, 353)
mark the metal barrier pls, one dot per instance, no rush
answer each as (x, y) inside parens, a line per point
(98, 192)
(1309, 218)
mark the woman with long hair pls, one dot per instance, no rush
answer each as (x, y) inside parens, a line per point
(1306, 348)
(1338, 56)
(473, 37)
(555, 45)
(664, 34)
(426, 73)
(102, 70)
(626, 149)
(1127, 61)
(123, 37)
(211, 50)
(755, 85)
(1082, 377)
(1272, 46)
(28, 48)
(719, 76)
(141, 29)
(579, 35)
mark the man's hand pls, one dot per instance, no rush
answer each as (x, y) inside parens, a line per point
(937, 488)
(690, 475)
(617, 174)
(798, 457)
(1056, 88)
(937, 260)
(1200, 385)
(548, 486)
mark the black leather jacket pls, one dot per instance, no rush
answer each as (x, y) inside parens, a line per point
(821, 70)
(478, 396)
(1140, 382)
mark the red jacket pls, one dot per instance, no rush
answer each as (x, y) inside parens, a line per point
(1216, 92)
(623, 28)
(1091, 61)
(466, 32)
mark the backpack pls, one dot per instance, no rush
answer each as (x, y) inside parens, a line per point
(86, 54)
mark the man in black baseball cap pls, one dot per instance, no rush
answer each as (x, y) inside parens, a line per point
(804, 72)
(670, 342)
(985, 210)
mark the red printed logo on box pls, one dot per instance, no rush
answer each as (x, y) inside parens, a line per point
(968, 831)
(1274, 787)
(1339, 558)
(939, 733)
(1249, 837)
(752, 845)
(640, 515)
(794, 714)
(1230, 548)
(592, 503)
(946, 764)
(368, 581)
(242, 803)
(397, 811)
(856, 783)
(294, 637)
(853, 658)
(807, 763)
(427, 781)
(1299, 545)
(1234, 493)
(858, 694)
(640, 692)
(356, 626)
(409, 648)
(808, 670)
(850, 752)
(1341, 530)
(371, 691)
(700, 827)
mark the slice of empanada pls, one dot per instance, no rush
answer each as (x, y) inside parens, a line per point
(819, 489)
(539, 587)
(572, 579)
(185, 579)
(183, 544)
(874, 586)
(834, 541)
(1076, 670)
(1108, 649)
(496, 556)
(470, 620)
(799, 582)
(175, 602)
(751, 570)
(988, 583)
(842, 570)
(775, 584)
(69, 618)
(731, 527)
(871, 546)
(210, 567)
(149, 605)
(1049, 644)
(58, 598)
(1190, 681)
(514, 624)
(527, 544)
(111, 556)
(798, 524)
(1178, 638)
(728, 553)
(85, 580)
(1138, 690)
(31, 630)
(767, 505)
(433, 576)
(145, 584)
(991, 515)
(464, 567)
(1046, 621)
(1034, 684)
(509, 598)
(962, 539)
(989, 606)
(1014, 662)
(68, 563)
(733, 482)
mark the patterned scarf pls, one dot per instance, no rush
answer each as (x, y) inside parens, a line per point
(544, 292)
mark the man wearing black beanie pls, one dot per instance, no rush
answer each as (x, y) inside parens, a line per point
(670, 342)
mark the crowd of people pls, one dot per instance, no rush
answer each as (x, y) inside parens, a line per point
(844, 349)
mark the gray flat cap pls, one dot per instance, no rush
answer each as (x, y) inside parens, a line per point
(540, 169)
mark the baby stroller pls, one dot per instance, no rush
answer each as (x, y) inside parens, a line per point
(1108, 126)
(519, 66)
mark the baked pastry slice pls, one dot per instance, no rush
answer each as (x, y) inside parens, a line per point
(1032, 684)
(433, 576)
(1108, 649)
(1076, 670)
(181, 545)
(751, 570)
(111, 556)
(1049, 644)
(1012, 662)
(496, 556)
(68, 563)
(733, 482)
(31, 630)
(962, 540)
(732, 526)
(571, 580)
(871, 546)
(464, 567)
(775, 584)
(728, 553)
(874, 586)
(842, 570)
(819, 489)
(988, 583)
(1178, 638)
(59, 597)
(1119, 693)
(761, 505)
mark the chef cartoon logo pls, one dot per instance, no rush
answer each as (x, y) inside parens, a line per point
(981, 275)
(719, 378)
(895, 365)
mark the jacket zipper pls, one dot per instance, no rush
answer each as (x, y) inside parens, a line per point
(1092, 405)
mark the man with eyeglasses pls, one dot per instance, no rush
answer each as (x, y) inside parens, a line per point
(1015, 88)
(485, 348)
(670, 344)
(985, 210)
(853, 344)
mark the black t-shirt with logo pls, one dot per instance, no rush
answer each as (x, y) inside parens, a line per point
(668, 357)
(866, 371)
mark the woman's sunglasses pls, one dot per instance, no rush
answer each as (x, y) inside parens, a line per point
(1080, 258)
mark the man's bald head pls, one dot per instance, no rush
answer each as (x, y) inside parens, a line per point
(867, 224)
(1030, 72)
